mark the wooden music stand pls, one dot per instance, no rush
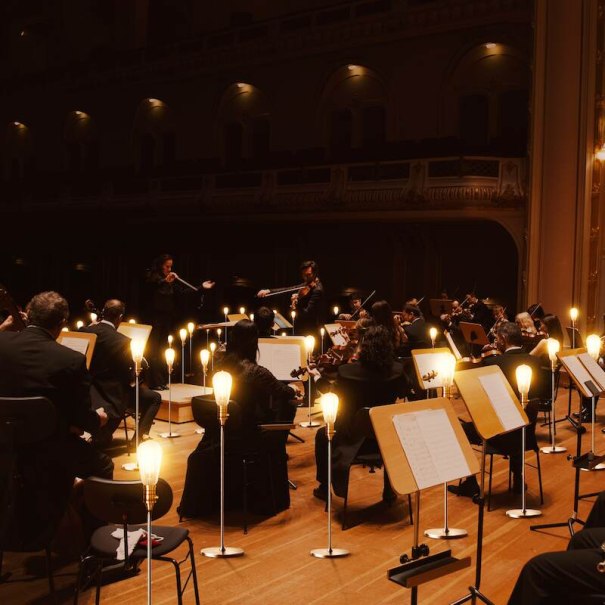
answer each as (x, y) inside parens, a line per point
(235, 317)
(428, 363)
(474, 334)
(405, 471)
(492, 416)
(338, 334)
(283, 355)
(82, 342)
(440, 306)
(281, 322)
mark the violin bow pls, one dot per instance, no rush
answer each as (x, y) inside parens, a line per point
(363, 303)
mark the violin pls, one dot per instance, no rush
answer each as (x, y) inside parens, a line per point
(7, 303)
(303, 291)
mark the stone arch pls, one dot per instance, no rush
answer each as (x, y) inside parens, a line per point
(154, 136)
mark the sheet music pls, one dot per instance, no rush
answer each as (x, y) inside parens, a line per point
(431, 447)
(453, 347)
(431, 362)
(76, 344)
(595, 370)
(280, 359)
(502, 402)
(579, 372)
(337, 334)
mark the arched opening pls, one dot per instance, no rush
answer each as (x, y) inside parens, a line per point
(154, 137)
(81, 143)
(18, 151)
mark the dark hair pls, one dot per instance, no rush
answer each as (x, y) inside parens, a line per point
(383, 315)
(309, 263)
(47, 310)
(376, 349)
(413, 309)
(158, 262)
(264, 319)
(510, 332)
(243, 341)
(536, 311)
(113, 309)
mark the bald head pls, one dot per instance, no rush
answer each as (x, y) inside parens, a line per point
(113, 311)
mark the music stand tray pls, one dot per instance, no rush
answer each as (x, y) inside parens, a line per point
(439, 306)
(473, 333)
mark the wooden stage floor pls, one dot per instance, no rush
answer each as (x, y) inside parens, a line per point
(277, 568)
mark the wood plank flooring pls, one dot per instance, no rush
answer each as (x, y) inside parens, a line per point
(277, 567)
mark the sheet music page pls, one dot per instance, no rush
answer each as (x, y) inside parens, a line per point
(595, 370)
(452, 345)
(579, 371)
(502, 402)
(76, 344)
(280, 359)
(431, 447)
(337, 334)
(431, 362)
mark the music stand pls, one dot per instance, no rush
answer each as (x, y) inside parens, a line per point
(575, 338)
(440, 306)
(491, 417)
(82, 342)
(473, 334)
(401, 429)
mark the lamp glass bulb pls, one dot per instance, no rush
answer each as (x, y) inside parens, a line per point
(93, 317)
(573, 314)
(322, 331)
(242, 310)
(433, 333)
(132, 321)
(169, 354)
(554, 346)
(212, 347)
(221, 383)
(309, 344)
(170, 339)
(183, 335)
(329, 406)
(149, 458)
(137, 346)
(204, 357)
(447, 370)
(251, 316)
(79, 324)
(190, 327)
(593, 346)
(225, 310)
(336, 310)
(523, 373)
(293, 314)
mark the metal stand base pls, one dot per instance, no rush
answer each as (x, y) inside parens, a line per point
(519, 513)
(199, 431)
(598, 467)
(216, 552)
(130, 466)
(310, 425)
(553, 450)
(329, 553)
(474, 595)
(446, 534)
(169, 435)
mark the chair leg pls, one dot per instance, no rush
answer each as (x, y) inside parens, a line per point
(489, 483)
(539, 475)
(126, 436)
(245, 495)
(193, 572)
(177, 573)
(49, 571)
(344, 511)
(410, 509)
(99, 574)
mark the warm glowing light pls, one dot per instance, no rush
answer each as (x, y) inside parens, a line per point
(137, 346)
(251, 316)
(322, 332)
(447, 370)
(153, 101)
(169, 354)
(78, 113)
(79, 324)
(573, 314)
(593, 346)
(190, 327)
(433, 334)
(221, 383)
(352, 67)
(523, 374)
(283, 334)
(554, 346)
(204, 357)
(212, 347)
(293, 315)
(309, 344)
(149, 458)
(183, 335)
(329, 407)
(218, 333)
(225, 310)
(132, 321)
(65, 329)
(242, 310)
(335, 310)
(170, 340)
(600, 153)
(93, 317)
(490, 45)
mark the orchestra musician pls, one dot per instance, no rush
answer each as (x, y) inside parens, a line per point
(383, 316)
(162, 285)
(357, 311)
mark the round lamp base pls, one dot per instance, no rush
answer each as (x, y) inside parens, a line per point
(169, 435)
(329, 553)
(310, 425)
(130, 466)
(519, 513)
(548, 449)
(439, 533)
(216, 552)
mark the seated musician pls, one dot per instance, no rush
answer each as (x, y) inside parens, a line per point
(414, 328)
(357, 311)
(531, 336)
(373, 380)
(509, 342)
(112, 374)
(261, 398)
(264, 318)
(383, 316)
(34, 364)
(567, 576)
(479, 312)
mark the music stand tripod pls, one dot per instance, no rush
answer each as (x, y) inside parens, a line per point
(580, 461)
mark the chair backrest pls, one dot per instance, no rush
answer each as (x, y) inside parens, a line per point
(362, 425)
(26, 420)
(205, 413)
(123, 501)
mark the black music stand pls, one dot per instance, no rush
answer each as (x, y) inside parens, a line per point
(575, 338)
(23, 421)
(440, 306)
(474, 335)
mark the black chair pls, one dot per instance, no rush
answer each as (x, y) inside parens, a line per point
(367, 455)
(531, 445)
(262, 456)
(24, 421)
(122, 503)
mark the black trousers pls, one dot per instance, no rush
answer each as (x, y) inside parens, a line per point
(561, 577)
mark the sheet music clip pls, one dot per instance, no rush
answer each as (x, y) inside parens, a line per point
(425, 567)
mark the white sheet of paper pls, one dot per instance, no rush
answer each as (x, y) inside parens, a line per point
(579, 372)
(76, 344)
(502, 402)
(338, 335)
(280, 359)
(141, 332)
(452, 345)
(431, 447)
(429, 362)
(594, 369)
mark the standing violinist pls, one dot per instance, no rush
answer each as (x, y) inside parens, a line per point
(309, 302)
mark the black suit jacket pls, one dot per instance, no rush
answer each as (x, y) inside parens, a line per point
(111, 369)
(310, 310)
(32, 363)
(509, 361)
